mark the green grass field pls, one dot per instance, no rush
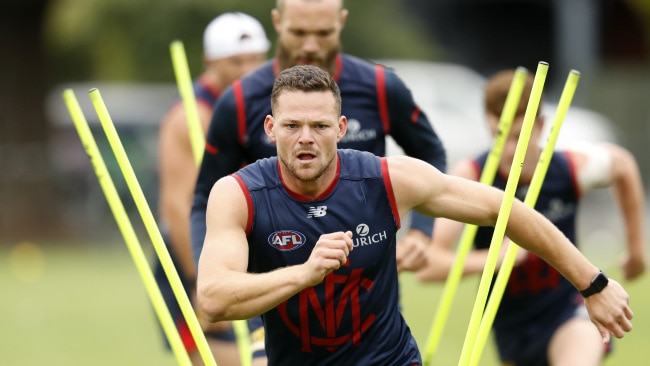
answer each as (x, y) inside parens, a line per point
(86, 305)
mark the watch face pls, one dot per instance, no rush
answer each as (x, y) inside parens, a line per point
(597, 285)
(600, 282)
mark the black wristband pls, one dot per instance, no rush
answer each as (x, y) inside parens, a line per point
(598, 283)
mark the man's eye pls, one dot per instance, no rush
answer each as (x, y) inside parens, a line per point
(325, 34)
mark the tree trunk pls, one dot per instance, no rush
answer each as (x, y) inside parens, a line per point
(27, 206)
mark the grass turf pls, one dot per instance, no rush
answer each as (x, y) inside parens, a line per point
(86, 305)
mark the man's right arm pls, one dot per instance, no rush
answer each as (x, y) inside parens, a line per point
(464, 200)
(222, 156)
(225, 290)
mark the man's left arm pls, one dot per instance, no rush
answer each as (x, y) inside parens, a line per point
(629, 194)
(600, 165)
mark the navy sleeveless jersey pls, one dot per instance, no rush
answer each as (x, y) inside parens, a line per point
(353, 316)
(375, 101)
(534, 287)
(204, 93)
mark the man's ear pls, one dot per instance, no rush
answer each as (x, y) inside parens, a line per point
(268, 127)
(275, 19)
(343, 127)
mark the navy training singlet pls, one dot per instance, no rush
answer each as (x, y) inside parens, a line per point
(353, 316)
(534, 287)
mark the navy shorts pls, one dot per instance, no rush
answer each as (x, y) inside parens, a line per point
(528, 345)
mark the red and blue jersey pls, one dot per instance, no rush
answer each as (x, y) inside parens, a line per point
(205, 93)
(375, 101)
(353, 316)
(535, 288)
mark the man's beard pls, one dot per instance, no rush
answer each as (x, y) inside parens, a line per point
(295, 172)
(286, 60)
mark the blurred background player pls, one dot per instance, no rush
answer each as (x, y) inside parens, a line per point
(234, 44)
(541, 319)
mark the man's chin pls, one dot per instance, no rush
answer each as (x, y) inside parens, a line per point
(305, 174)
(308, 62)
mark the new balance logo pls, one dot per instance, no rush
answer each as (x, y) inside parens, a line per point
(318, 211)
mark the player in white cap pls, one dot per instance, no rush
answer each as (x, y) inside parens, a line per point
(233, 45)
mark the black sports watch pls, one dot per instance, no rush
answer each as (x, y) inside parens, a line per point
(598, 283)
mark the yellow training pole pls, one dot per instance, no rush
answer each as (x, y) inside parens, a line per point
(152, 228)
(531, 199)
(186, 91)
(469, 231)
(197, 140)
(504, 212)
(126, 228)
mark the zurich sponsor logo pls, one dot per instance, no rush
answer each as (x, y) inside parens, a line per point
(362, 230)
(266, 140)
(286, 240)
(355, 133)
(365, 238)
(558, 210)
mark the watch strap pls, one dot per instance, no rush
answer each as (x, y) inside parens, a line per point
(598, 283)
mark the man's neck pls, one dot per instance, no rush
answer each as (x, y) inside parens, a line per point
(310, 188)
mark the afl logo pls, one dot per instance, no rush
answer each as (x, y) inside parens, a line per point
(286, 240)
(362, 229)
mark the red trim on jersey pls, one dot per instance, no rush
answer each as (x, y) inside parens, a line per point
(339, 67)
(203, 102)
(211, 149)
(573, 172)
(241, 110)
(276, 67)
(211, 88)
(249, 202)
(186, 335)
(381, 97)
(415, 114)
(477, 169)
(389, 190)
(325, 193)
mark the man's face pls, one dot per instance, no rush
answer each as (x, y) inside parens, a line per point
(306, 127)
(232, 68)
(309, 32)
(510, 146)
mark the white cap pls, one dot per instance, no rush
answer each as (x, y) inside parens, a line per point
(232, 34)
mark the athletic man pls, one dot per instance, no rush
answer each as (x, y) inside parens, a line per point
(376, 102)
(307, 238)
(234, 44)
(542, 318)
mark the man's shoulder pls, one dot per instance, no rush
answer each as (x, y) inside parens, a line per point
(257, 84)
(359, 70)
(263, 164)
(261, 78)
(358, 163)
(262, 173)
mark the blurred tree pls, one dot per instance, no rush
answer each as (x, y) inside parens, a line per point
(129, 40)
(490, 35)
(26, 202)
